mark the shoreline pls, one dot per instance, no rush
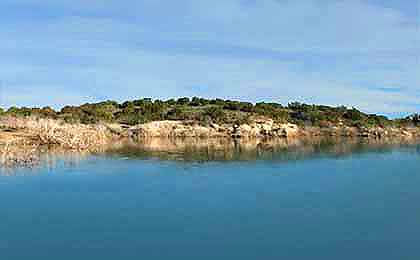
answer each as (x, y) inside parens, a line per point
(22, 142)
(265, 128)
(48, 132)
(191, 149)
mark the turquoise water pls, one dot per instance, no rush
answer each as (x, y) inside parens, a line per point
(322, 205)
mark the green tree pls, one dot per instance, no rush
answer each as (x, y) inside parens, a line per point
(216, 113)
(415, 119)
(353, 114)
(24, 111)
(48, 112)
(183, 101)
(171, 102)
(195, 102)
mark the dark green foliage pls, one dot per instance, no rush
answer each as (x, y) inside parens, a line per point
(413, 120)
(45, 112)
(176, 113)
(213, 114)
(48, 112)
(170, 102)
(140, 111)
(85, 114)
(353, 115)
(217, 102)
(232, 105)
(416, 119)
(142, 102)
(195, 102)
(15, 111)
(183, 101)
(211, 111)
(272, 110)
(375, 120)
(300, 107)
(237, 106)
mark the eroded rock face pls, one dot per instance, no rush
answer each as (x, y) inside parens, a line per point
(378, 132)
(267, 129)
(260, 128)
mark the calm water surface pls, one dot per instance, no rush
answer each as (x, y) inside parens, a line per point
(363, 204)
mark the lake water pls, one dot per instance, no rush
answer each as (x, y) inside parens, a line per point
(323, 202)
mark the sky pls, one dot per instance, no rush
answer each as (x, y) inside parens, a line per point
(361, 53)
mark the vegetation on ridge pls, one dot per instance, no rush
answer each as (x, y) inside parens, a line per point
(206, 111)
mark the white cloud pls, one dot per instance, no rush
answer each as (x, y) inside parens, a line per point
(342, 51)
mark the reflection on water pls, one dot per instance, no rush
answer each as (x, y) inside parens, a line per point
(202, 150)
(205, 150)
(48, 158)
(160, 199)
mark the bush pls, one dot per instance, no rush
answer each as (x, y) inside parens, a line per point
(183, 101)
(217, 102)
(273, 110)
(48, 112)
(204, 110)
(170, 102)
(353, 115)
(195, 102)
(176, 113)
(375, 120)
(15, 111)
(413, 119)
(214, 114)
(232, 105)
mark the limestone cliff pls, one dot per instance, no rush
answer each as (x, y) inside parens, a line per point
(262, 128)
(258, 128)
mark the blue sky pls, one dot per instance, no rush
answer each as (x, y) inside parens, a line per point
(362, 53)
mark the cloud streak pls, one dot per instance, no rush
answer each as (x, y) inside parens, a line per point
(337, 52)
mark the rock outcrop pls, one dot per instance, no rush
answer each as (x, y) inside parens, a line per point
(263, 128)
(258, 128)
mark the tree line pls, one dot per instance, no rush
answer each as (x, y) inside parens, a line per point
(208, 111)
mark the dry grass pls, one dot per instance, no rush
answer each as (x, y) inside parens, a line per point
(21, 139)
(55, 132)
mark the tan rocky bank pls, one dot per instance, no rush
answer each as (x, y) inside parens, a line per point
(263, 128)
(258, 128)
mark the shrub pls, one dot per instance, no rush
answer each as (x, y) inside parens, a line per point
(170, 102)
(215, 114)
(232, 105)
(195, 102)
(204, 110)
(217, 102)
(48, 112)
(15, 111)
(353, 115)
(183, 101)
(273, 110)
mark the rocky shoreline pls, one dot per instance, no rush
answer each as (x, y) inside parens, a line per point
(22, 142)
(261, 129)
